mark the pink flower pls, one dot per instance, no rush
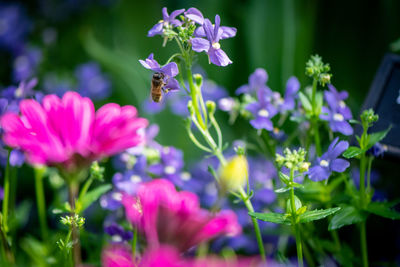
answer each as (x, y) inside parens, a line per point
(167, 256)
(68, 132)
(166, 216)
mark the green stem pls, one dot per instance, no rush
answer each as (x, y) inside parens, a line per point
(362, 180)
(194, 96)
(134, 242)
(257, 231)
(294, 222)
(6, 194)
(363, 239)
(73, 189)
(314, 119)
(41, 206)
(370, 159)
(298, 246)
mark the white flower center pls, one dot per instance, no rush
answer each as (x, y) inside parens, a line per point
(116, 238)
(216, 45)
(117, 196)
(186, 176)
(324, 163)
(169, 170)
(135, 179)
(338, 117)
(342, 104)
(263, 113)
(18, 92)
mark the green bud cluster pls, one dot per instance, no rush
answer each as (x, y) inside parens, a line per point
(368, 117)
(315, 68)
(74, 220)
(186, 33)
(293, 159)
(96, 171)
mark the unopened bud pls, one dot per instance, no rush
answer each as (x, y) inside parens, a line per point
(211, 106)
(325, 78)
(304, 166)
(234, 174)
(198, 79)
(190, 107)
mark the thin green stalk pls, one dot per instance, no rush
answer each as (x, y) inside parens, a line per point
(370, 159)
(363, 239)
(194, 96)
(362, 179)
(298, 246)
(41, 206)
(73, 190)
(6, 194)
(294, 222)
(134, 242)
(257, 231)
(314, 119)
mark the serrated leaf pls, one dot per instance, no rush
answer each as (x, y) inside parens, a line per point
(297, 204)
(305, 102)
(92, 196)
(352, 152)
(282, 190)
(273, 217)
(313, 215)
(346, 216)
(383, 209)
(376, 137)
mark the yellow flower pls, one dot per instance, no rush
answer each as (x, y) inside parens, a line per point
(234, 174)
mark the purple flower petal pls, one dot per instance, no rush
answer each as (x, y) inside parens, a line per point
(195, 15)
(150, 63)
(318, 173)
(338, 150)
(339, 165)
(171, 69)
(157, 29)
(292, 86)
(176, 13)
(200, 44)
(165, 14)
(262, 123)
(199, 32)
(325, 114)
(228, 32)
(208, 29)
(258, 78)
(243, 89)
(172, 85)
(218, 57)
(343, 127)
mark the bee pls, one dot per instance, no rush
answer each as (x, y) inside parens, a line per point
(157, 86)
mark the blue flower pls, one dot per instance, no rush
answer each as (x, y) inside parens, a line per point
(25, 65)
(117, 232)
(92, 82)
(288, 102)
(263, 110)
(329, 161)
(168, 22)
(257, 81)
(213, 33)
(194, 15)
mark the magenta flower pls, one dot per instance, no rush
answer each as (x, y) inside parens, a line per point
(69, 133)
(213, 33)
(170, 70)
(168, 21)
(329, 161)
(166, 216)
(117, 256)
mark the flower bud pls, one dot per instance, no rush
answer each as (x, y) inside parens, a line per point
(210, 106)
(198, 79)
(304, 166)
(325, 78)
(234, 174)
(190, 107)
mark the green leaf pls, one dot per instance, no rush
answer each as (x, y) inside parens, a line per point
(352, 152)
(271, 217)
(376, 137)
(92, 196)
(297, 204)
(314, 215)
(305, 102)
(282, 190)
(346, 216)
(383, 209)
(284, 178)
(354, 121)
(319, 102)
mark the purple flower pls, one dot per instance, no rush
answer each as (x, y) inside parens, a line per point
(226, 104)
(1, 193)
(262, 110)
(377, 150)
(257, 80)
(170, 70)
(14, 26)
(213, 33)
(168, 21)
(288, 103)
(23, 90)
(117, 232)
(26, 63)
(92, 82)
(195, 15)
(55, 84)
(337, 113)
(329, 161)
(170, 166)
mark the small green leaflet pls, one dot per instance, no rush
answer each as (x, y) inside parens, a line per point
(305, 102)
(346, 216)
(376, 137)
(272, 217)
(314, 215)
(92, 196)
(282, 189)
(383, 209)
(352, 152)
(284, 178)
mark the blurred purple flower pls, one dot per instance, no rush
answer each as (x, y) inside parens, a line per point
(170, 70)
(213, 33)
(355, 175)
(17, 158)
(262, 110)
(227, 104)
(55, 84)
(14, 26)
(117, 232)
(26, 63)
(170, 165)
(195, 15)
(23, 90)
(292, 87)
(377, 150)
(1, 193)
(168, 21)
(329, 161)
(337, 113)
(257, 80)
(92, 82)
